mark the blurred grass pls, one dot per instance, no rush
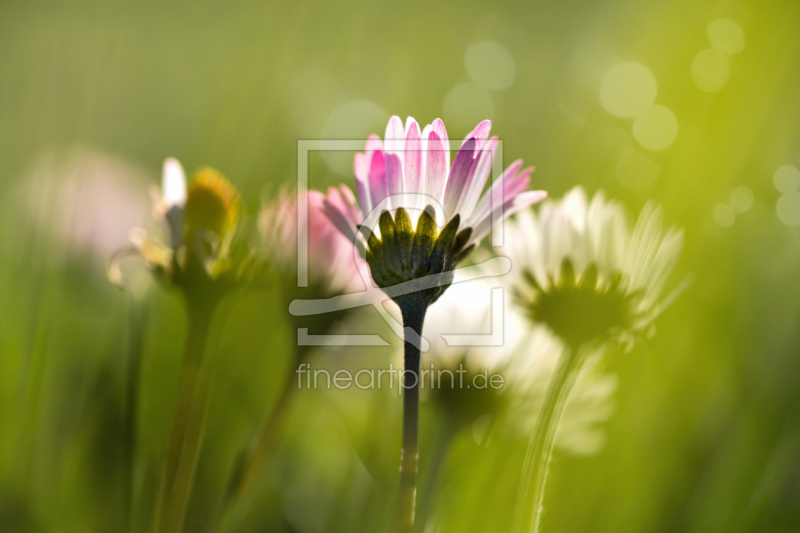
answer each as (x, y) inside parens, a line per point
(706, 436)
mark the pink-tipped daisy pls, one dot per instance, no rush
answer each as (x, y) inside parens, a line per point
(407, 184)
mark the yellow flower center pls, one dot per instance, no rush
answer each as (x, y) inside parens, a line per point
(212, 204)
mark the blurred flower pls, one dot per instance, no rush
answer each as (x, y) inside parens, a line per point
(578, 269)
(614, 296)
(526, 360)
(205, 252)
(332, 261)
(84, 199)
(409, 174)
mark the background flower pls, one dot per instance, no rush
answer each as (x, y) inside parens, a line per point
(579, 269)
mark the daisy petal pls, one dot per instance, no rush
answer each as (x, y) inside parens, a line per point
(438, 127)
(394, 174)
(435, 167)
(519, 202)
(459, 176)
(394, 136)
(412, 158)
(361, 167)
(481, 133)
(377, 178)
(339, 219)
(480, 173)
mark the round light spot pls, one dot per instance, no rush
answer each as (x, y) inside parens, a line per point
(741, 199)
(726, 36)
(655, 127)
(710, 70)
(787, 179)
(724, 215)
(491, 65)
(353, 120)
(636, 171)
(465, 106)
(788, 208)
(627, 89)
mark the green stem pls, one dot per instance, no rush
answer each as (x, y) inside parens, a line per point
(247, 469)
(187, 428)
(136, 316)
(540, 450)
(447, 433)
(413, 309)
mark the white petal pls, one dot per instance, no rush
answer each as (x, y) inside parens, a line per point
(173, 184)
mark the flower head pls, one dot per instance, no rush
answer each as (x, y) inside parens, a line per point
(580, 270)
(333, 267)
(417, 215)
(204, 253)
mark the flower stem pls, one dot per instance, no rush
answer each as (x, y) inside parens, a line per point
(413, 309)
(187, 429)
(247, 468)
(540, 450)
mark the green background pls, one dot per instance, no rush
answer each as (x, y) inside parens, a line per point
(706, 434)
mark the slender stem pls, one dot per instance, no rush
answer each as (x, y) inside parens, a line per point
(247, 469)
(413, 310)
(540, 450)
(136, 314)
(447, 433)
(187, 427)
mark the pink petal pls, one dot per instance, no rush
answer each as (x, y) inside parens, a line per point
(361, 168)
(435, 167)
(459, 177)
(517, 203)
(339, 218)
(493, 196)
(481, 132)
(373, 143)
(394, 136)
(377, 178)
(348, 197)
(480, 173)
(441, 132)
(412, 158)
(394, 174)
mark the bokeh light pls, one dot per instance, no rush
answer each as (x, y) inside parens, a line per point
(710, 70)
(726, 36)
(787, 179)
(491, 65)
(636, 171)
(724, 215)
(741, 199)
(655, 127)
(627, 89)
(788, 208)
(465, 106)
(352, 120)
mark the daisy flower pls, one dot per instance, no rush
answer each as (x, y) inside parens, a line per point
(417, 216)
(204, 255)
(582, 272)
(579, 269)
(202, 250)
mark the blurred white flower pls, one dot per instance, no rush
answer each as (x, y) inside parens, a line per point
(578, 268)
